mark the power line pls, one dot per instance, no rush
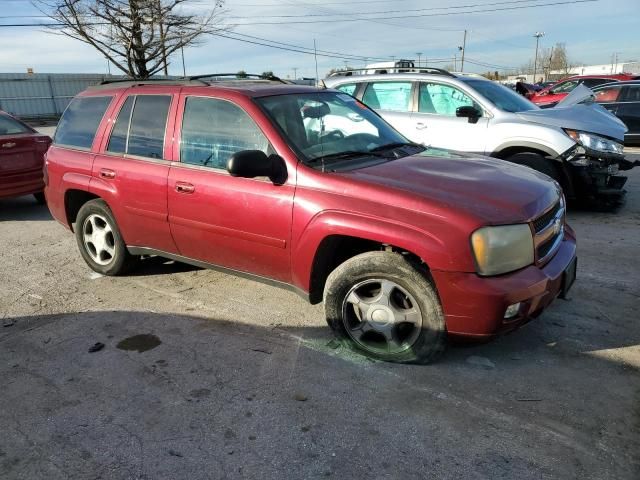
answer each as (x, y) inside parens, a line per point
(336, 20)
(476, 5)
(355, 57)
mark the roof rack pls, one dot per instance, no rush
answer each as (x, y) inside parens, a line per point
(389, 70)
(150, 81)
(235, 76)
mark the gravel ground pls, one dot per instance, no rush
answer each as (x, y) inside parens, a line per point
(204, 375)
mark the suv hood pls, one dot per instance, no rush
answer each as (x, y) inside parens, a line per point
(492, 190)
(586, 117)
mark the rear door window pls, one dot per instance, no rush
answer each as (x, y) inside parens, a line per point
(632, 93)
(564, 87)
(9, 126)
(213, 130)
(80, 121)
(140, 126)
(394, 96)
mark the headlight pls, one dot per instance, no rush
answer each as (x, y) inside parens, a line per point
(502, 249)
(595, 142)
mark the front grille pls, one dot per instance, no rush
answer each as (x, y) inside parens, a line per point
(549, 231)
(545, 219)
(545, 248)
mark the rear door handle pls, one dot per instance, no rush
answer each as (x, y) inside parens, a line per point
(184, 187)
(107, 173)
(420, 126)
(8, 145)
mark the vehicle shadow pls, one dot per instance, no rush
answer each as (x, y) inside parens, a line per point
(23, 208)
(154, 265)
(144, 385)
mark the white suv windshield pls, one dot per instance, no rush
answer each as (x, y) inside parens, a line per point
(502, 97)
(333, 126)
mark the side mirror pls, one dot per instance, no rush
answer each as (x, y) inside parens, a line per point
(472, 113)
(255, 163)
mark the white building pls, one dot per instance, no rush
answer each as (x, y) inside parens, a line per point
(606, 69)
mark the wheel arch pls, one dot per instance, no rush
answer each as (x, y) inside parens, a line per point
(334, 237)
(508, 149)
(74, 199)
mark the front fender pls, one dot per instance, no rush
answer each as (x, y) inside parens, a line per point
(440, 252)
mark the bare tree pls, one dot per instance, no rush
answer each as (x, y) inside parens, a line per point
(137, 36)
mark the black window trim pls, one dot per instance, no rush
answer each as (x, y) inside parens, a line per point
(75, 147)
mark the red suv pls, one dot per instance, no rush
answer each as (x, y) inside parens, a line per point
(311, 190)
(550, 96)
(22, 152)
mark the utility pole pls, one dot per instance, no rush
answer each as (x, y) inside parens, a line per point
(535, 62)
(295, 72)
(455, 62)
(419, 54)
(462, 49)
(315, 56)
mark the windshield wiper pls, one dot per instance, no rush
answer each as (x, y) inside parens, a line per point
(346, 154)
(389, 146)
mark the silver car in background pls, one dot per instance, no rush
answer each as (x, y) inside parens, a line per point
(578, 144)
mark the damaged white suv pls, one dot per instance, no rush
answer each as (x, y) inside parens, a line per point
(578, 144)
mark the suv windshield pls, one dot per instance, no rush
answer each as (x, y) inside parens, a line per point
(332, 127)
(502, 97)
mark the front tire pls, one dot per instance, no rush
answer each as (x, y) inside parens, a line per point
(99, 240)
(381, 305)
(536, 162)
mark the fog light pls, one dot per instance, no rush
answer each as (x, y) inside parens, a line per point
(512, 310)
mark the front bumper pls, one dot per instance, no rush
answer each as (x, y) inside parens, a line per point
(595, 175)
(474, 306)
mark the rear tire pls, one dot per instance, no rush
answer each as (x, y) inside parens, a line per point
(536, 162)
(381, 305)
(40, 198)
(99, 240)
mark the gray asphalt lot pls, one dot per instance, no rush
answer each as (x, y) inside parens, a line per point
(204, 375)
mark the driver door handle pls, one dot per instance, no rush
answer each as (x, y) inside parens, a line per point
(184, 187)
(107, 173)
(420, 126)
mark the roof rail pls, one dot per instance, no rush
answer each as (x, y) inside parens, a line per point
(149, 81)
(235, 76)
(385, 70)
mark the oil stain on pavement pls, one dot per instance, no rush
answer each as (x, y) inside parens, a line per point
(140, 343)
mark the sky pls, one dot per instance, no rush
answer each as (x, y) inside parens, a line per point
(499, 38)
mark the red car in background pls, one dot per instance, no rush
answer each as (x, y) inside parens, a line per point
(550, 96)
(22, 152)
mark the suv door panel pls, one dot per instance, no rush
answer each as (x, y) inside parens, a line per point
(137, 184)
(238, 223)
(392, 100)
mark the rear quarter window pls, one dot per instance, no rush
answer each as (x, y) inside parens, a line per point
(9, 126)
(349, 88)
(80, 121)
